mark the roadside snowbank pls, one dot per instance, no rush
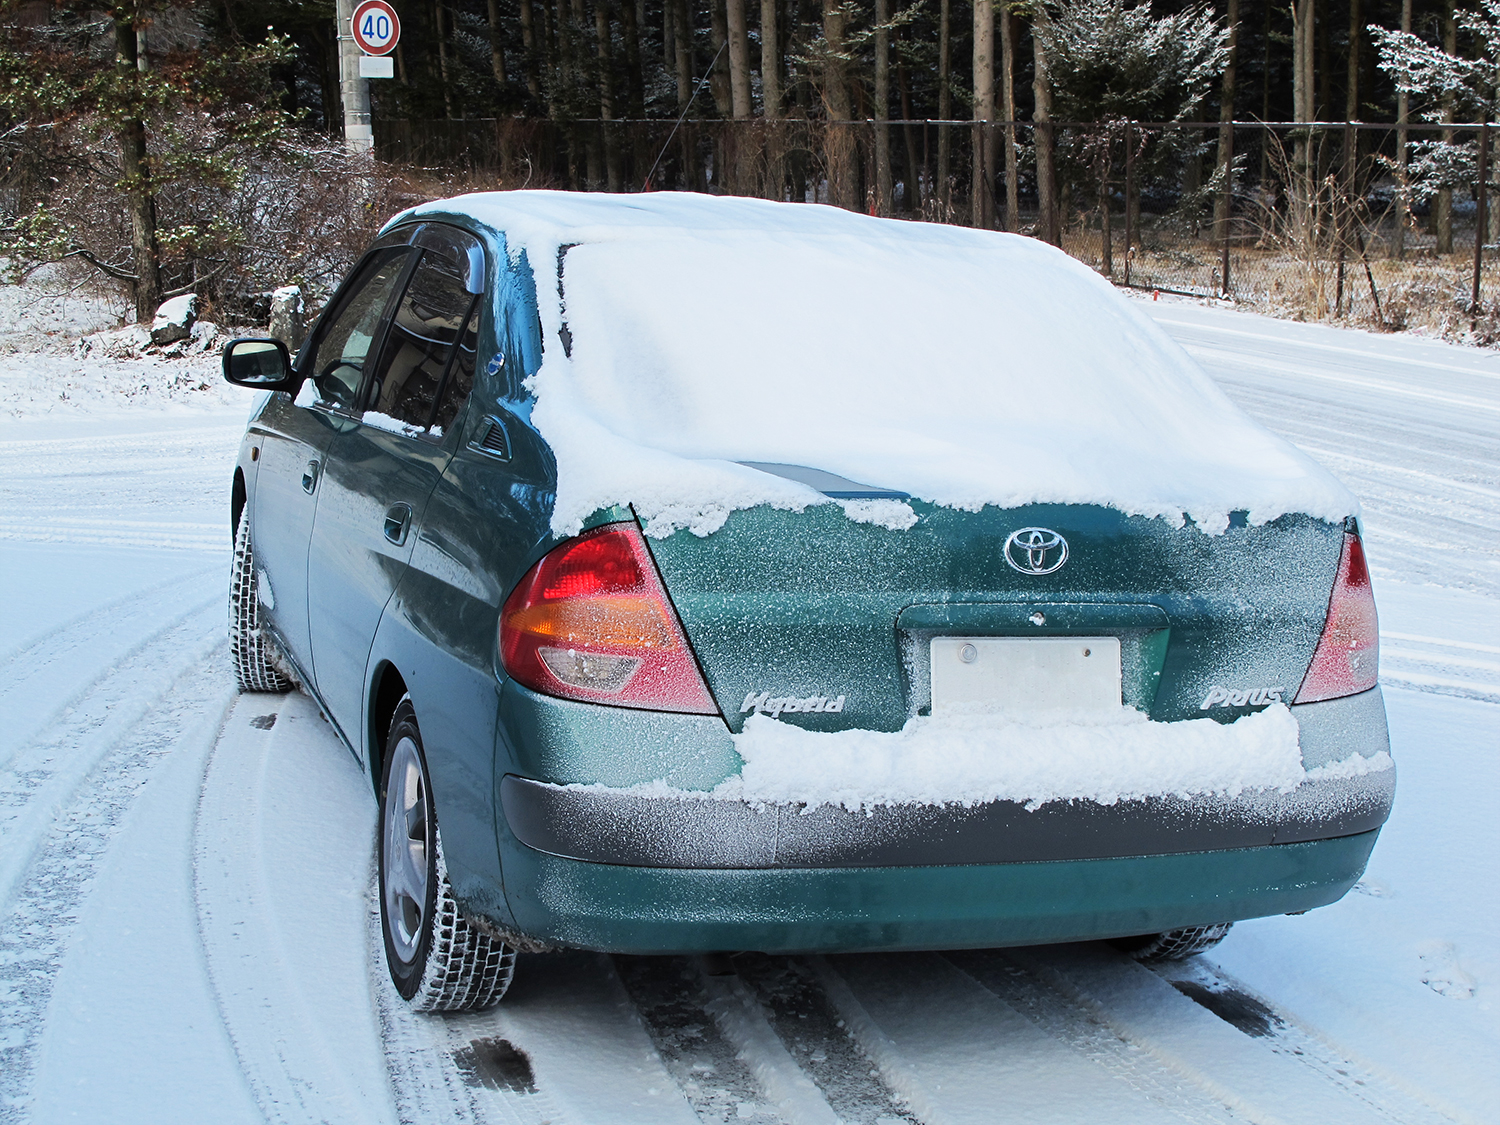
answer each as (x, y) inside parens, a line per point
(107, 372)
(965, 367)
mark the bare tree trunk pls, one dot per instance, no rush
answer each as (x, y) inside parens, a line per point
(1008, 111)
(1403, 115)
(884, 183)
(442, 44)
(604, 59)
(1048, 226)
(1356, 31)
(1106, 221)
(630, 32)
(1265, 97)
(982, 180)
(1442, 206)
(529, 49)
(770, 61)
(668, 39)
(842, 189)
(945, 105)
(1303, 92)
(682, 31)
(140, 198)
(497, 56)
(739, 60)
(1226, 130)
(605, 54)
(718, 79)
(911, 196)
(563, 78)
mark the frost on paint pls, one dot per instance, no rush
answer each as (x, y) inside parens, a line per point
(963, 367)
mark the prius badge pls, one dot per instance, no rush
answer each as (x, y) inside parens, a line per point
(1036, 550)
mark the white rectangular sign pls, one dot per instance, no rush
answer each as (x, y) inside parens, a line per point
(376, 66)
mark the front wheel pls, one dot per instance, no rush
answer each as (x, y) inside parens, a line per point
(256, 667)
(438, 960)
(1174, 945)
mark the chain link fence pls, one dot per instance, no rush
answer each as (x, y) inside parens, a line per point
(1383, 224)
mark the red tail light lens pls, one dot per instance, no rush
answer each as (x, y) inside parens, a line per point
(591, 621)
(1347, 659)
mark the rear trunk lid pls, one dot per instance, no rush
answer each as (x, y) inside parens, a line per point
(829, 622)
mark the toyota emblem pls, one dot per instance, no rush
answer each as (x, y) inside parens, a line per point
(1036, 550)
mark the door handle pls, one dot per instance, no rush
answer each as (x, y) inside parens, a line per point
(397, 523)
(310, 476)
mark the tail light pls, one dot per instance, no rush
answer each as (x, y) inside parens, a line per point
(1347, 659)
(591, 621)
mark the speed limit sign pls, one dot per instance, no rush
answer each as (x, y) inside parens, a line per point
(375, 27)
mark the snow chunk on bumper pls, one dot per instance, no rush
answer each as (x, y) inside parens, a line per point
(973, 757)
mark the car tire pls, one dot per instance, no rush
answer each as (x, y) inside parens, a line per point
(438, 960)
(257, 664)
(1174, 945)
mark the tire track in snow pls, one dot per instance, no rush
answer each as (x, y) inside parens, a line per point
(43, 647)
(797, 1006)
(743, 1022)
(281, 859)
(37, 700)
(1085, 1033)
(1298, 1081)
(43, 778)
(959, 1053)
(39, 913)
(673, 1004)
(1200, 980)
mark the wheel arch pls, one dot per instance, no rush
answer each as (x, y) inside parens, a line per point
(237, 497)
(387, 688)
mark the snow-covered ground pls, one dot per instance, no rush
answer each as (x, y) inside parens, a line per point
(185, 917)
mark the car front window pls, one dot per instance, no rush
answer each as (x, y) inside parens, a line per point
(339, 365)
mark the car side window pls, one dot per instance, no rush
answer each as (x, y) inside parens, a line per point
(339, 364)
(427, 328)
(461, 377)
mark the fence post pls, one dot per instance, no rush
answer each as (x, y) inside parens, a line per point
(1228, 204)
(1129, 187)
(1481, 220)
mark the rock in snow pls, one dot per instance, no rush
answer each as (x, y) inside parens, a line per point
(287, 311)
(174, 319)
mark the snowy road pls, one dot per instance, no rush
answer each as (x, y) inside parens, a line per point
(185, 918)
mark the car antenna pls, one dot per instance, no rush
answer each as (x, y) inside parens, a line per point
(666, 144)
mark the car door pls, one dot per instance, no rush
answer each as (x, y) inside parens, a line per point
(379, 471)
(296, 435)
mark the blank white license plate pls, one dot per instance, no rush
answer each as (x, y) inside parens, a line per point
(1027, 673)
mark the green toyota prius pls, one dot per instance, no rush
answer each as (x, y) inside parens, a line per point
(704, 574)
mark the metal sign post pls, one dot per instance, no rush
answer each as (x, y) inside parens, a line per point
(355, 91)
(368, 31)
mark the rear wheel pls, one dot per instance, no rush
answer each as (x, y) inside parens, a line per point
(1174, 945)
(256, 664)
(439, 961)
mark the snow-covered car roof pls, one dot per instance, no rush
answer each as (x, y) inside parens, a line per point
(963, 367)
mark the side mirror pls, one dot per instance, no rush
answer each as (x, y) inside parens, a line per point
(262, 364)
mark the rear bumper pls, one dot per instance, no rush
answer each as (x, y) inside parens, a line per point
(621, 828)
(616, 871)
(654, 910)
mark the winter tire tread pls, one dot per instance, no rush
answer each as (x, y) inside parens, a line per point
(257, 665)
(1174, 945)
(464, 969)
